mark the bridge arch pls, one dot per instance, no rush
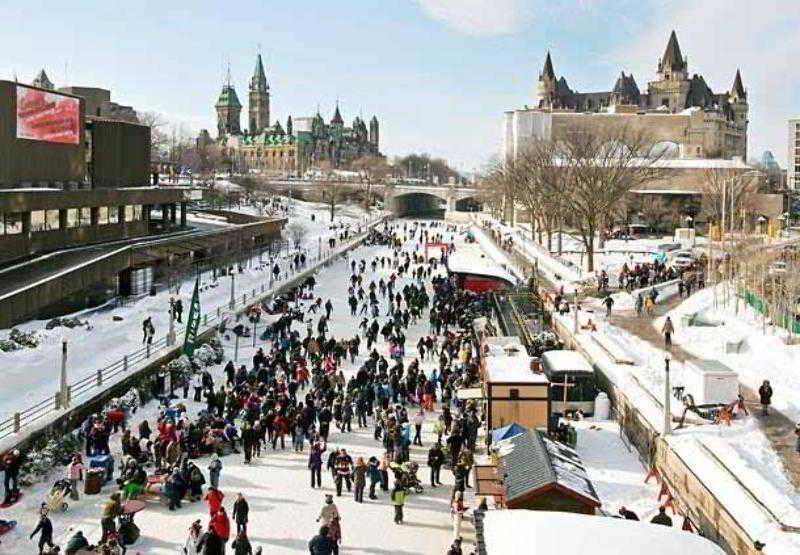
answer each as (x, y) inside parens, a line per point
(418, 203)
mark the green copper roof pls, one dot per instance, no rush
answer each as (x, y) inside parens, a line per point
(227, 98)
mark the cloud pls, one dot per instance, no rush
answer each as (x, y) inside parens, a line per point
(760, 38)
(480, 18)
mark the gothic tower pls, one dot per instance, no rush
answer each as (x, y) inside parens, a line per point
(258, 100)
(738, 102)
(546, 86)
(672, 86)
(673, 66)
(42, 81)
(373, 133)
(229, 110)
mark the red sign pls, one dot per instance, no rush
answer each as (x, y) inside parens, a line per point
(47, 116)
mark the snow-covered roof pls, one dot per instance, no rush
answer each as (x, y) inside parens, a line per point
(566, 361)
(473, 261)
(666, 192)
(522, 531)
(512, 369)
(719, 163)
(498, 345)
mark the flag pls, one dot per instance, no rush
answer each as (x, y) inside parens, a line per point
(193, 323)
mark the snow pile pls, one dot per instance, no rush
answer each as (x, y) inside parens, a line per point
(765, 355)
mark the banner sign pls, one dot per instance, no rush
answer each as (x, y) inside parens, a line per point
(193, 323)
(46, 116)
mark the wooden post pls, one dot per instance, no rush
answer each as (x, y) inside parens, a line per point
(99, 378)
(16, 422)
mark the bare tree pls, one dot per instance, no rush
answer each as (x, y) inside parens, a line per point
(159, 139)
(723, 189)
(604, 164)
(371, 169)
(331, 187)
(653, 210)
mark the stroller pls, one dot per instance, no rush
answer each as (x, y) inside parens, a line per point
(54, 499)
(405, 476)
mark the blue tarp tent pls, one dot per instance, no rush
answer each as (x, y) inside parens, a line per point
(506, 432)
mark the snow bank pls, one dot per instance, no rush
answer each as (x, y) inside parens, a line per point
(554, 532)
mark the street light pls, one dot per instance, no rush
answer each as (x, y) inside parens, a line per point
(232, 303)
(667, 396)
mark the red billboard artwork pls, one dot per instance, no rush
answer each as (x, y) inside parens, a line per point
(46, 116)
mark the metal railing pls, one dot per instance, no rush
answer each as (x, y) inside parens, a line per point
(133, 362)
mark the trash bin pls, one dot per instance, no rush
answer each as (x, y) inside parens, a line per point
(105, 463)
(94, 481)
(602, 406)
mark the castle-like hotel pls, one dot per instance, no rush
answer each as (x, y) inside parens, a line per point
(302, 144)
(678, 109)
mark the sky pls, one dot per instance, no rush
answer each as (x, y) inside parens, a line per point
(437, 73)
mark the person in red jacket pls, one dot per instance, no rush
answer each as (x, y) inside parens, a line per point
(214, 499)
(220, 526)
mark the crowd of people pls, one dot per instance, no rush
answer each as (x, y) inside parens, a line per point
(295, 390)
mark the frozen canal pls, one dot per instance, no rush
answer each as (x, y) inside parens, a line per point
(283, 508)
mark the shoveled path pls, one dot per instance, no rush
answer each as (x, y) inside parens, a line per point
(778, 428)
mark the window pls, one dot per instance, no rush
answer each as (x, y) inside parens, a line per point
(79, 217)
(665, 102)
(133, 213)
(113, 214)
(513, 393)
(102, 215)
(12, 223)
(52, 219)
(44, 220)
(38, 222)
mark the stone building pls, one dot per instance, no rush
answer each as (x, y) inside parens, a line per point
(678, 109)
(303, 143)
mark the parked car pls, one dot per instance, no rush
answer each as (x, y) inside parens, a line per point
(669, 247)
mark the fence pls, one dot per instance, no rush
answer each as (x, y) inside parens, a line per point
(784, 317)
(89, 385)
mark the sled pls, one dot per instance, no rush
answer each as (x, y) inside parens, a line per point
(7, 526)
(16, 497)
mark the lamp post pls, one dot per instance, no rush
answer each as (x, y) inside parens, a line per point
(577, 301)
(232, 303)
(667, 396)
(62, 389)
(171, 333)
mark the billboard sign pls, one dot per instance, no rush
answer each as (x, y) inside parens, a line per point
(46, 116)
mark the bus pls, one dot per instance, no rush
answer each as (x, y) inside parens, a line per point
(572, 382)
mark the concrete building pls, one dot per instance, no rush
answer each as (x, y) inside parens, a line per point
(99, 104)
(793, 155)
(77, 212)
